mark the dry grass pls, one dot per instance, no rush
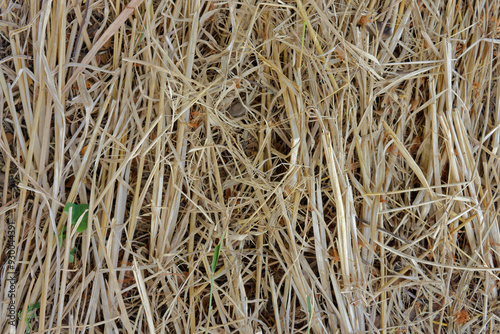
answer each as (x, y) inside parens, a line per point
(356, 193)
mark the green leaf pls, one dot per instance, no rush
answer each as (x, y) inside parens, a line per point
(216, 253)
(62, 235)
(309, 310)
(72, 255)
(216, 258)
(33, 306)
(78, 210)
(214, 266)
(30, 314)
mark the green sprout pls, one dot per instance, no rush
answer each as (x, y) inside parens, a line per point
(30, 314)
(214, 266)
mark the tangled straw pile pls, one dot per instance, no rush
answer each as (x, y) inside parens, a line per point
(251, 166)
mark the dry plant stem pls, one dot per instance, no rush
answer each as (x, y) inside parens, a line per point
(127, 11)
(83, 25)
(35, 155)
